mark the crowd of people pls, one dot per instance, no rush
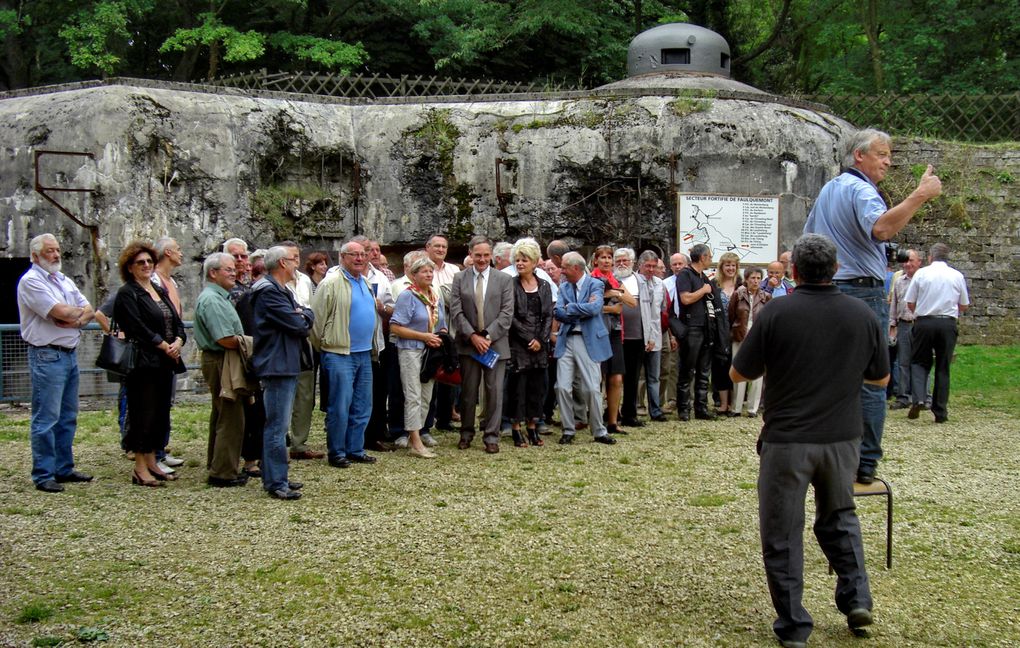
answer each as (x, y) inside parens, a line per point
(499, 344)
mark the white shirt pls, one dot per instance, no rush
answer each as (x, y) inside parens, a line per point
(541, 274)
(937, 289)
(444, 276)
(302, 288)
(380, 286)
(38, 292)
(669, 286)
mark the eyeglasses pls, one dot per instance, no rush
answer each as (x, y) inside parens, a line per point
(228, 270)
(143, 262)
(356, 255)
(242, 257)
(294, 259)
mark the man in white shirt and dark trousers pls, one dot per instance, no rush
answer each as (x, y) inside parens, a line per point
(937, 295)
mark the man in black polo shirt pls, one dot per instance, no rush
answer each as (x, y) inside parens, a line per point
(695, 294)
(812, 431)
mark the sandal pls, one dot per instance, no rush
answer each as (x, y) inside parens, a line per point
(519, 441)
(534, 438)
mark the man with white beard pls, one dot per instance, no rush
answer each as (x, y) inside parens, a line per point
(52, 311)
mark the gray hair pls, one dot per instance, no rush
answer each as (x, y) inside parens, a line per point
(697, 252)
(412, 255)
(235, 241)
(478, 240)
(623, 252)
(360, 239)
(421, 262)
(648, 255)
(501, 250)
(161, 245)
(862, 141)
(37, 243)
(939, 252)
(527, 248)
(574, 259)
(348, 247)
(273, 257)
(214, 262)
(257, 254)
(814, 256)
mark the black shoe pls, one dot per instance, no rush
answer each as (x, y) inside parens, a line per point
(339, 462)
(74, 476)
(566, 439)
(49, 486)
(857, 619)
(606, 439)
(898, 405)
(731, 414)
(684, 416)
(611, 428)
(938, 419)
(792, 643)
(365, 459)
(865, 477)
(219, 482)
(705, 416)
(295, 485)
(661, 418)
(285, 494)
(631, 422)
(915, 411)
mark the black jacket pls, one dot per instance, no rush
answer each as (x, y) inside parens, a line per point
(142, 322)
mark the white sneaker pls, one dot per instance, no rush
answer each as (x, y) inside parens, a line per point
(165, 468)
(428, 440)
(401, 442)
(172, 461)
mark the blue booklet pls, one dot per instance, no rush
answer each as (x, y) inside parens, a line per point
(488, 359)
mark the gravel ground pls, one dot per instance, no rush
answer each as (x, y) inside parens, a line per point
(652, 542)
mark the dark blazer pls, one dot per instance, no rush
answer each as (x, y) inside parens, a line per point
(499, 311)
(524, 328)
(281, 329)
(142, 321)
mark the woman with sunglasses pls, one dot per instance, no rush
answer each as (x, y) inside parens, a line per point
(144, 313)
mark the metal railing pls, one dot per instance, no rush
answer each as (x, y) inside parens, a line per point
(16, 380)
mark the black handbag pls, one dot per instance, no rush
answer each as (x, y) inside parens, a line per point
(117, 355)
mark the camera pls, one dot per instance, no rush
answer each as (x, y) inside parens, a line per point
(893, 254)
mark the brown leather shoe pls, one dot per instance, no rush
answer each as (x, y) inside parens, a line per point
(306, 454)
(491, 448)
(463, 444)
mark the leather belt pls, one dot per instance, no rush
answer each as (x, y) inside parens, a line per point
(55, 347)
(935, 317)
(866, 282)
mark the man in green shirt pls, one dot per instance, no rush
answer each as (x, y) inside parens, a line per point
(216, 328)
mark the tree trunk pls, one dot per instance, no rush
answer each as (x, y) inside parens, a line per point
(214, 59)
(872, 29)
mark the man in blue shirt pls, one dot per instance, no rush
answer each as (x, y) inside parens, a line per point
(850, 212)
(345, 314)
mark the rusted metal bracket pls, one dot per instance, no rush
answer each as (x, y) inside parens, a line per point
(502, 198)
(99, 278)
(41, 189)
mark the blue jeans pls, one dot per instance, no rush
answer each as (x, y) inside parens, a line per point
(350, 402)
(54, 411)
(278, 398)
(652, 359)
(873, 397)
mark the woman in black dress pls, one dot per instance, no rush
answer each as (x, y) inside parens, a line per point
(529, 343)
(145, 314)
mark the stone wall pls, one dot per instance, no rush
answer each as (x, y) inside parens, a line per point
(978, 216)
(205, 166)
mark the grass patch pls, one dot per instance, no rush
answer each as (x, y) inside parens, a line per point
(582, 549)
(34, 613)
(984, 376)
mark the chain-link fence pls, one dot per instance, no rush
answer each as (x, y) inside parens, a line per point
(16, 382)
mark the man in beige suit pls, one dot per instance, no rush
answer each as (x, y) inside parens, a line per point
(481, 309)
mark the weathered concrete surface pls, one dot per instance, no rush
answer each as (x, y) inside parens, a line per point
(197, 165)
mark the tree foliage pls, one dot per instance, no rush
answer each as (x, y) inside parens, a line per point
(784, 46)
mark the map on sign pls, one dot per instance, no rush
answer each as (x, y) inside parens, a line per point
(745, 225)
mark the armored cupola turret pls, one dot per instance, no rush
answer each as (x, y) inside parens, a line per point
(678, 47)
